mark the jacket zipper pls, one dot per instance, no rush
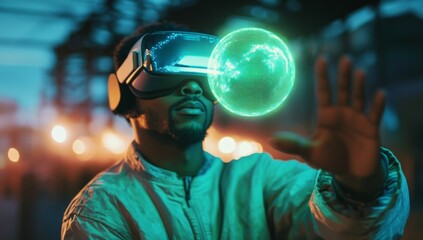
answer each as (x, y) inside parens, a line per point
(196, 218)
(187, 188)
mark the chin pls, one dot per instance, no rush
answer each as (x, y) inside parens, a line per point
(188, 133)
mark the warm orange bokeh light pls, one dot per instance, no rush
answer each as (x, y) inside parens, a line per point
(227, 145)
(13, 154)
(79, 146)
(113, 143)
(59, 134)
(246, 148)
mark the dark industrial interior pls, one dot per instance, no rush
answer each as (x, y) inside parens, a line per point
(56, 57)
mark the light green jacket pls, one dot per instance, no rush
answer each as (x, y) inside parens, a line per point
(255, 197)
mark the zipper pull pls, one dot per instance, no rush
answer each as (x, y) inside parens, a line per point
(187, 186)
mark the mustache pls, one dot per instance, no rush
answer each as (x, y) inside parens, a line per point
(187, 99)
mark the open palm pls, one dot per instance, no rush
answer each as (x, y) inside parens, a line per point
(346, 140)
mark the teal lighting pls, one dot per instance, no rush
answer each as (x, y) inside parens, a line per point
(194, 61)
(251, 72)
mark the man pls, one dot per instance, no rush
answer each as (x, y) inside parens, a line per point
(167, 186)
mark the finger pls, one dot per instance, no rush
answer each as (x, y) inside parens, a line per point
(377, 107)
(344, 81)
(323, 87)
(291, 143)
(359, 96)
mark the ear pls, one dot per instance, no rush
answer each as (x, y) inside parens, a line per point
(114, 93)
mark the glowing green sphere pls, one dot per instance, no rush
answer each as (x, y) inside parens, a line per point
(251, 72)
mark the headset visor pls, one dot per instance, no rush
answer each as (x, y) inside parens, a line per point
(162, 60)
(177, 52)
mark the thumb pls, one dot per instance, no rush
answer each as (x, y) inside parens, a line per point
(291, 143)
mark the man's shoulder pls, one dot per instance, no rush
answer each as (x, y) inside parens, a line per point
(252, 159)
(99, 203)
(265, 161)
(111, 179)
(261, 158)
(101, 192)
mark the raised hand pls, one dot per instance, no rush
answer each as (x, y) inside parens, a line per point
(346, 140)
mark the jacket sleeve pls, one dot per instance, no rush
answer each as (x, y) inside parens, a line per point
(301, 204)
(337, 216)
(93, 215)
(82, 227)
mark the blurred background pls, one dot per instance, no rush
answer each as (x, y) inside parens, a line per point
(56, 131)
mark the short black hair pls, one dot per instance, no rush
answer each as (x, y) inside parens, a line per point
(122, 51)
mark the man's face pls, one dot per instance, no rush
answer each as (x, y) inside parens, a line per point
(184, 115)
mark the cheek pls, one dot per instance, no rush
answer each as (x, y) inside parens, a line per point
(154, 114)
(158, 106)
(161, 113)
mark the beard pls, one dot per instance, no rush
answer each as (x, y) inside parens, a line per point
(184, 134)
(187, 134)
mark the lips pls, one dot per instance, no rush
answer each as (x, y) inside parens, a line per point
(190, 108)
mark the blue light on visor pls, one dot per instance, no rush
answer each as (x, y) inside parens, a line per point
(160, 61)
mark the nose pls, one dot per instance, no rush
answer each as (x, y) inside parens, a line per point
(191, 88)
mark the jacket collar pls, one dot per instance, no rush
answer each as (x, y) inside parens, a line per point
(138, 163)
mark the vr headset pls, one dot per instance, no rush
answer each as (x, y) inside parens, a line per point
(159, 62)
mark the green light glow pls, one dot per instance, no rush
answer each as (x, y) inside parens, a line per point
(253, 72)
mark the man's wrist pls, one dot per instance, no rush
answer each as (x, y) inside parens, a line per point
(363, 190)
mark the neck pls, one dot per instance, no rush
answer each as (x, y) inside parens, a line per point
(164, 152)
